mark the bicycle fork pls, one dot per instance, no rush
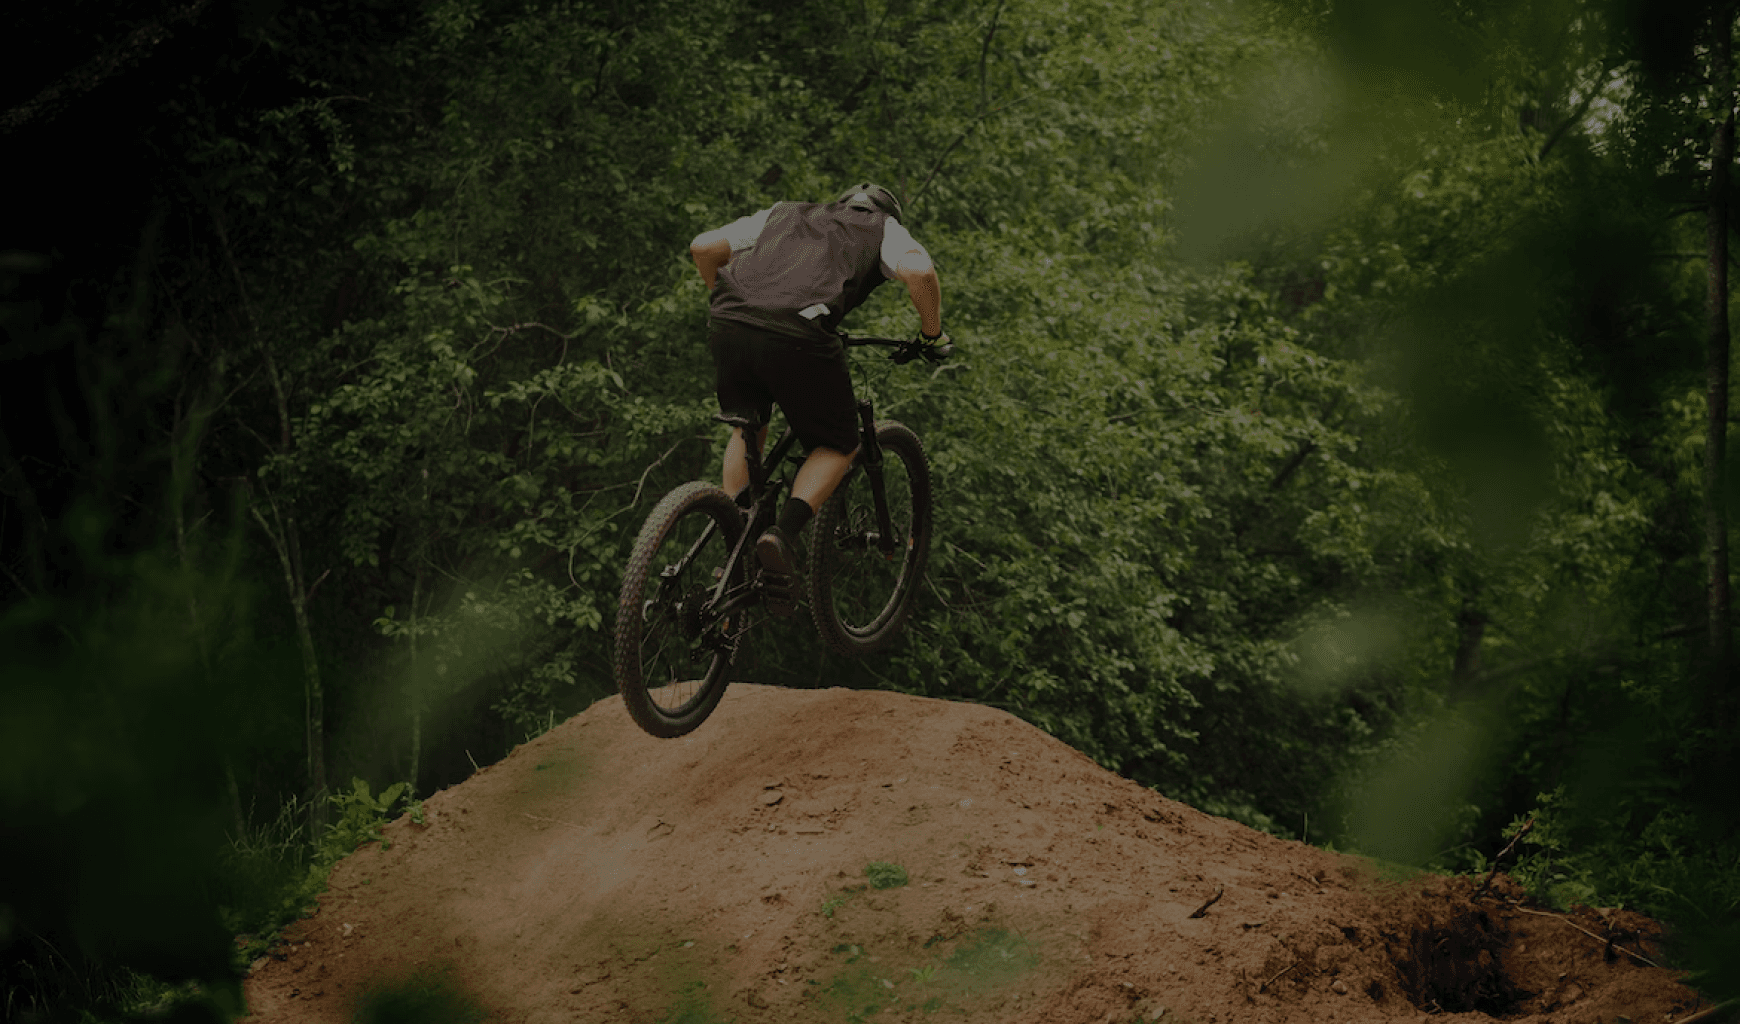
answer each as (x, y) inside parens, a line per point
(871, 457)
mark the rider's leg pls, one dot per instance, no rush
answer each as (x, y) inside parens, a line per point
(737, 462)
(815, 390)
(816, 478)
(822, 471)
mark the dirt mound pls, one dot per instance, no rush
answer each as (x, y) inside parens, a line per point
(752, 872)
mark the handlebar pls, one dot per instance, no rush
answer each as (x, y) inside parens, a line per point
(905, 349)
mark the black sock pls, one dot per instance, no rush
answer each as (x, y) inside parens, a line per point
(743, 499)
(793, 516)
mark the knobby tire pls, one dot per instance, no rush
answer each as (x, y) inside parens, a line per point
(671, 661)
(859, 597)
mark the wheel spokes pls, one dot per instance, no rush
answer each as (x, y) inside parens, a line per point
(680, 637)
(865, 579)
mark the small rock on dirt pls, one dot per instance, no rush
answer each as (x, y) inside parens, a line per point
(1339, 987)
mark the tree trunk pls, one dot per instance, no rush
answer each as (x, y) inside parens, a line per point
(416, 685)
(1470, 631)
(183, 455)
(286, 540)
(314, 695)
(1716, 345)
(313, 698)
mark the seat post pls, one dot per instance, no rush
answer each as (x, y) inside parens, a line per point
(751, 449)
(752, 452)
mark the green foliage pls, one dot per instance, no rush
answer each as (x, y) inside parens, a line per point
(273, 873)
(119, 830)
(883, 875)
(1325, 436)
(430, 996)
(260, 867)
(360, 819)
(1515, 289)
(1546, 866)
(693, 1007)
(1668, 869)
(839, 899)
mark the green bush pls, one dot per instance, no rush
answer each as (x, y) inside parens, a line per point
(884, 875)
(427, 997)
(286, 876)
(1547, 868)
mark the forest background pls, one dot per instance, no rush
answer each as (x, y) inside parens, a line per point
(1337, 439)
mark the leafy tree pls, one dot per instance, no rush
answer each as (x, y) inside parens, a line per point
(1331, 410)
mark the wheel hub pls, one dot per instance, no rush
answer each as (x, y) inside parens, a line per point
(689, 616)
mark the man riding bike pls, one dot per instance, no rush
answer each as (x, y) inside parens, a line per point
(782, 279)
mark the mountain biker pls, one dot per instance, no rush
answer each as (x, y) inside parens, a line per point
(781, 280)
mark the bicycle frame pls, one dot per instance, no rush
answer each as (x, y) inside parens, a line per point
(905, 351)
(727, 599)
(760, 513)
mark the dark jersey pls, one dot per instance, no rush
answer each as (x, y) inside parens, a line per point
(811, 265)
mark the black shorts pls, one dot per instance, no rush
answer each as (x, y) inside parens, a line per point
(754, 368)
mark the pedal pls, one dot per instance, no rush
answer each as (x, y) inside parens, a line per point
(731, 642)
(780, 593)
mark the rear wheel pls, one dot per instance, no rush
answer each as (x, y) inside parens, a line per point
(672, 653)
(860, 594)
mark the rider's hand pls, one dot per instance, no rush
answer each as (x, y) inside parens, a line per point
(933, 350)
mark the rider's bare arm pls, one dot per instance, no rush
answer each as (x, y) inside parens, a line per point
(710, 250)
(713, 249)
(915, 270)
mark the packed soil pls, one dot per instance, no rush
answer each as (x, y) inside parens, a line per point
(837, 855)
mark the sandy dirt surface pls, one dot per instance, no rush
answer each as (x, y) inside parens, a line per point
(599, 874)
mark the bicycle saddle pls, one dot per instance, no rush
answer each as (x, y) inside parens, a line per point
(732, 420)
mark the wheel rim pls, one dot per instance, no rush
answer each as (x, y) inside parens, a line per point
(865, 584)
(680, 640)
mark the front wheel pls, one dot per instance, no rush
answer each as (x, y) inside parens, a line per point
(861, 590)
(672, 652)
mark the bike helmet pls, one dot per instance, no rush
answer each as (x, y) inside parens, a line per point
(868, 195)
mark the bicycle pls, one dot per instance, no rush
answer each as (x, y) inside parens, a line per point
(693, 582)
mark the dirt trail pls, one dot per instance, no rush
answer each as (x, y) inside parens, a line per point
(598, 874)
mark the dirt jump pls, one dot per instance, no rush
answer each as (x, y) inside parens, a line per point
(843, 856)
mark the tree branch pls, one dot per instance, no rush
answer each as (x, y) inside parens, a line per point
(985, 52)
(22, 589)
(94, 72)
(656, 464)
(1609, 941)
(1293, 464)
(1502, 854)
(1212, 900)
(1564, 126)
(316, 586)
(530, 325)
(958, 140)
(1704, 1015)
